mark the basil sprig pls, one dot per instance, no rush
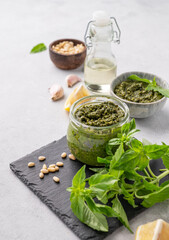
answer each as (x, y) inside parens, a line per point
(38, 48)
(152, 85)
(127, 174)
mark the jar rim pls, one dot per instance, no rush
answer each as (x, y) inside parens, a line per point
(116, 101)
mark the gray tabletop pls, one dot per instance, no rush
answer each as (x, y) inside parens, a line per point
(29, 120)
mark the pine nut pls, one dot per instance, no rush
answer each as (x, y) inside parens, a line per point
(52, 166)
(45, 171)
(72, 157)
(64, 155)
(56, 179)
(44, 166)
(41, 158)
(31, 164)
(59, 164)
(51, 169)
(41, 175)
(57, 168)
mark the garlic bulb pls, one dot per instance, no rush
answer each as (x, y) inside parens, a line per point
(72, 79)
(56, 92)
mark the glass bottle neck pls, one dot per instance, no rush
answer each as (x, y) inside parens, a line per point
(101, 34)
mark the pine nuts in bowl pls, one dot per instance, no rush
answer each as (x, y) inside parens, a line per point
(67, 53)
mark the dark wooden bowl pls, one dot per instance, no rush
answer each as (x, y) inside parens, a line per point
(67, 62)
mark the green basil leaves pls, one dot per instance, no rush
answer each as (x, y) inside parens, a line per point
(127, 174)
(38, 48)
(152, 85)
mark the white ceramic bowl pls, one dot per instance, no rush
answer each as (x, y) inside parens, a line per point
(140, 110)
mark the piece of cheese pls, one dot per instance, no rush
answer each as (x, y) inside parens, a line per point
(157, 230)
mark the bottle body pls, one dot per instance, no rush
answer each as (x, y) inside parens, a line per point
(100, 68)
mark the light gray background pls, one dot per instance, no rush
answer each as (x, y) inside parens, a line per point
(29, 120)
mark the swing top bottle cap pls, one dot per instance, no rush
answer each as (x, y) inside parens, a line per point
(101, 18)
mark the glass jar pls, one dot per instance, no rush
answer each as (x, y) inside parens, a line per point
(86, 142)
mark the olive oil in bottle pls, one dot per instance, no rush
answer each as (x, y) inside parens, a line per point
(99, 73)
(100, 64)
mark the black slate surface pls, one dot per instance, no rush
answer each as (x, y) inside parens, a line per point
(55, 195)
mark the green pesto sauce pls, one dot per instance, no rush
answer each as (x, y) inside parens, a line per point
(135, 91)
(99, 114)
(88, 143)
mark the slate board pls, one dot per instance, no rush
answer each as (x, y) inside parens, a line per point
(55, 195)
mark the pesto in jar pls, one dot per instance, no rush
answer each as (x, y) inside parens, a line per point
(99, 114)
(135, 91)
(92, 124)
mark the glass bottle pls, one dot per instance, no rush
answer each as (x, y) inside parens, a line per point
(100, 64)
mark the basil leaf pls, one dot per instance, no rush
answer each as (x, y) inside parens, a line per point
(119, 152)
(165, 159)
(133, 132)
(129, 197)
(119, 212)
(116, 173)
(77, 205)
(126, 128)
(99, 208)
(154, 82)
(79, 179)
(98, 170)
(143, 162)
(100, 185)
(133, 176)
(152, 85)
(136, 145)
(163, 91)
(155, 151)
(114, 142)
(111, 194)
(94, 220)
(105, 160)
(38, 48)
(102, 181)
(155, 197)
(164, 183)
(150, 186)
(128, 161)
(135, 77)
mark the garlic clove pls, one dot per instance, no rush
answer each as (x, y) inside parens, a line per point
(56, 92)
(72, 80)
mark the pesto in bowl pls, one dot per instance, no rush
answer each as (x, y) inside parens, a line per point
(135, 91)
(140, 109)
(94, 120)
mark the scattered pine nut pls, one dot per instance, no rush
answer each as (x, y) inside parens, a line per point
(57, 168)
(41, 158)
(41, 175)
(59, 164)
(31, 164)
(51, 169)
(72, 157)
(44, 166)
(56, 179)
(52, 166)
(45, 171)
(64, 155)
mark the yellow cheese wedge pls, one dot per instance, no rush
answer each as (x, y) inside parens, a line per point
(157, 230)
